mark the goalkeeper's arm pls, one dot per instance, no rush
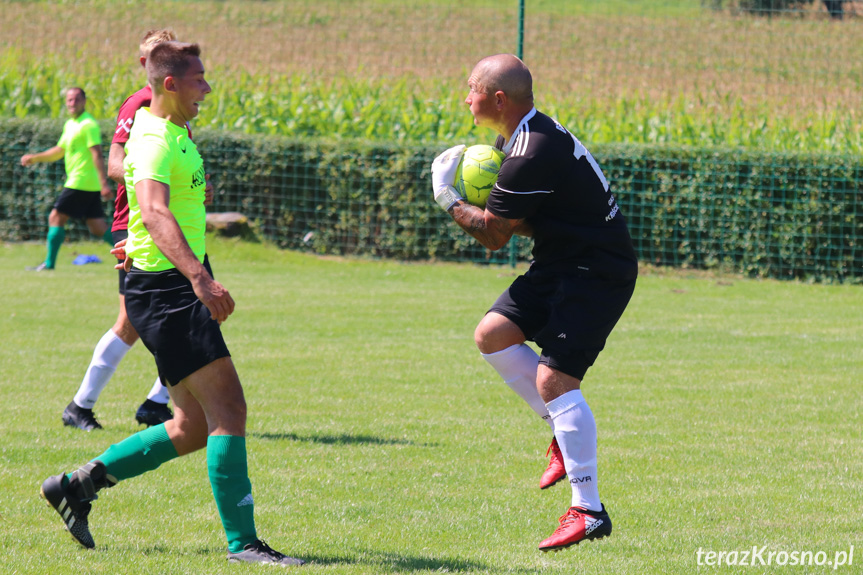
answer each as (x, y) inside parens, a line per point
(492, 231)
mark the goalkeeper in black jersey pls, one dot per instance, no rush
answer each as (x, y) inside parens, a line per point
(583, 275)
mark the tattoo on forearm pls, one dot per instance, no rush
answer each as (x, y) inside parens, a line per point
(476, 223)
(491, 232)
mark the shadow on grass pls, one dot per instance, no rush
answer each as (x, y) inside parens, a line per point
(380, 561)
(343, 439)
(384, 562)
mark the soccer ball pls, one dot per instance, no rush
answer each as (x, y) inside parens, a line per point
(477, 173)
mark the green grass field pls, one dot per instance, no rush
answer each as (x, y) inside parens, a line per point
(729, 417)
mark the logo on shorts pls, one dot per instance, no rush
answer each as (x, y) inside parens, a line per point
(561, 336)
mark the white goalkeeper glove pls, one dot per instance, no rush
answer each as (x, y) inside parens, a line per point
(443, 177)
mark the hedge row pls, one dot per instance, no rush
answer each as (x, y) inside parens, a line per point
(764, 214)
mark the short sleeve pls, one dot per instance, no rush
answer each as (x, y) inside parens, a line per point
(520, 189)
(92, 134)
(125, 119)
(63, 142)
(152, 159)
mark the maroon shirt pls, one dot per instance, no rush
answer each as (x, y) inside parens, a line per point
(125, 119)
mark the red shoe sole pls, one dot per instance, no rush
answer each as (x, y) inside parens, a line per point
(562, 547)
(555, 482)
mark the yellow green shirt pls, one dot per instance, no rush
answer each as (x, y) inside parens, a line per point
(162, 151)
(79, 135)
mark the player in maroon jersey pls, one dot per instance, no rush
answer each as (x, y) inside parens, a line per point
(120, 338)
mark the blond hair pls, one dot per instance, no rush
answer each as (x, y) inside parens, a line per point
(152, 38)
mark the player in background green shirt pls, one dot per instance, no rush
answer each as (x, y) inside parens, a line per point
(176, 306)
(80, 146)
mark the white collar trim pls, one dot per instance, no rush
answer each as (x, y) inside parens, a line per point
(508, 147)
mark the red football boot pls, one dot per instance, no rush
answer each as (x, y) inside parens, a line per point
(576, 525)
(555, 470)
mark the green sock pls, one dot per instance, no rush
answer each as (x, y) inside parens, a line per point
(56, 234)
(139, 453)
(108, 237)
(229, 477)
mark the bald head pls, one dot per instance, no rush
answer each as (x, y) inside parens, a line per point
(508, 74)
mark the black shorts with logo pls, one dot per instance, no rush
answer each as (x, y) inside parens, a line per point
(117, 236)
(79, 204)
(173, 323)
(568, 317)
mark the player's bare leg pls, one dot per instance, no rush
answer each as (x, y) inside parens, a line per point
(98, 227)
(122, 326)
(208, 402)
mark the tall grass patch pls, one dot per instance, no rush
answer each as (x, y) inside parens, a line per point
(662, 72)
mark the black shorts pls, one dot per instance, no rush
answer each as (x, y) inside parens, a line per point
(79, 204)
(569, 318)
(117, 236)
(173, 323)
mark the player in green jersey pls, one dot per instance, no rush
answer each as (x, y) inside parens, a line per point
(176, 306)
(80, 147)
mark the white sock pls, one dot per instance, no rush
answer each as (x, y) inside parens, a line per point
(106, 357)
(159, 393)
(575, 430)
(517, 366)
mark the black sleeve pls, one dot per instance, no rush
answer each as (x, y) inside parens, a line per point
(522, 186)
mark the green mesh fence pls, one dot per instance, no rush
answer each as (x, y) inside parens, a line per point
(771, 215)
(730, 129)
